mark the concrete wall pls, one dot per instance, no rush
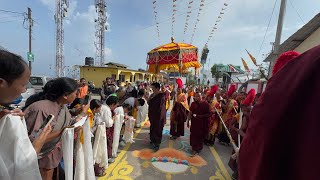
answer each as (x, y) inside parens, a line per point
(312, 41)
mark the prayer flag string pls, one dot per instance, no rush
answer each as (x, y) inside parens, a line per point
(197, 20)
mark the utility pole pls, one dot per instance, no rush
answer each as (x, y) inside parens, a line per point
(278, 36)
(30, 55)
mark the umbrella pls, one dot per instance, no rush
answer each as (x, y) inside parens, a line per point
(179, 56)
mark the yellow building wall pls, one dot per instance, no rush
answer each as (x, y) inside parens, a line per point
(97, 74)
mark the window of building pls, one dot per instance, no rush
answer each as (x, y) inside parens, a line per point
(122, 77)
(114, 76)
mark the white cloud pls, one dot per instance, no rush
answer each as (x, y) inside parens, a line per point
(108, 52)
(80, 37)
(51, 4)
(242, 27)
(79, 32)
(72, 8)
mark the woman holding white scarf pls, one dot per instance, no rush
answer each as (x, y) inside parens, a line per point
(18, 158)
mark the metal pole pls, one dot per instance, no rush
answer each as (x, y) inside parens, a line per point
(235, 148)
(278, 36)
(30, 34)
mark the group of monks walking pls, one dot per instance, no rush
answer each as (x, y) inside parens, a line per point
(201, 110)
(265, 145)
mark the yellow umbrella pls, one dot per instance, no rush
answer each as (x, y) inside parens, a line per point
(180, 56)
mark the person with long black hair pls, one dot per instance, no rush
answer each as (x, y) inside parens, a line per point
(18, 158)
(53, 100)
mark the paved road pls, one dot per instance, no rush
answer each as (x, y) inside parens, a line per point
(172, 161)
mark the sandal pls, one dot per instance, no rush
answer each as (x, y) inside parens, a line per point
(99, 171)
(194, 153)
(101, 174)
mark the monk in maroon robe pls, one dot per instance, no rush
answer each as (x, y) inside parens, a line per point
(281, 139)
(179, 114)
(157, 115)
(199, 115)
(167, 93)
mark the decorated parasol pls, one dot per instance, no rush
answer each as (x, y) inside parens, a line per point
(178, 56)
(173, 70)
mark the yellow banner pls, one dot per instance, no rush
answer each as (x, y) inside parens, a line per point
(252, 58)
(245, 65)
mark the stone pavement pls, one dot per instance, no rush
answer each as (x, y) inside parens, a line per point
(172, 161)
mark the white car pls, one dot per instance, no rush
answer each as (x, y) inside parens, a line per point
(38, 82)
(30, 91)
(24, 96)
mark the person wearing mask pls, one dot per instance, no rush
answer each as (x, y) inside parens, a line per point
(54, 101)
(18, 156)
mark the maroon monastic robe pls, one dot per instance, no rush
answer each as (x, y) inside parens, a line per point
(179, 116)
(157, 116)
(199, 124)
(282, 139)
(109, 134)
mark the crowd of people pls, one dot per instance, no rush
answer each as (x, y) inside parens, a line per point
(32, 148)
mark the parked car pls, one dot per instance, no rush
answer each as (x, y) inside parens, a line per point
(21, 101)
(38, 82)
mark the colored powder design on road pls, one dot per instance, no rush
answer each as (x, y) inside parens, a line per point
(169, 153)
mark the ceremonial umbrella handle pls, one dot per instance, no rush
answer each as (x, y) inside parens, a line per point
(236, 149)
(235, 109)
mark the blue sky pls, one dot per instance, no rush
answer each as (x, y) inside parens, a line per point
(132, 31)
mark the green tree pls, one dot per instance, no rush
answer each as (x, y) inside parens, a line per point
(215, 72)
